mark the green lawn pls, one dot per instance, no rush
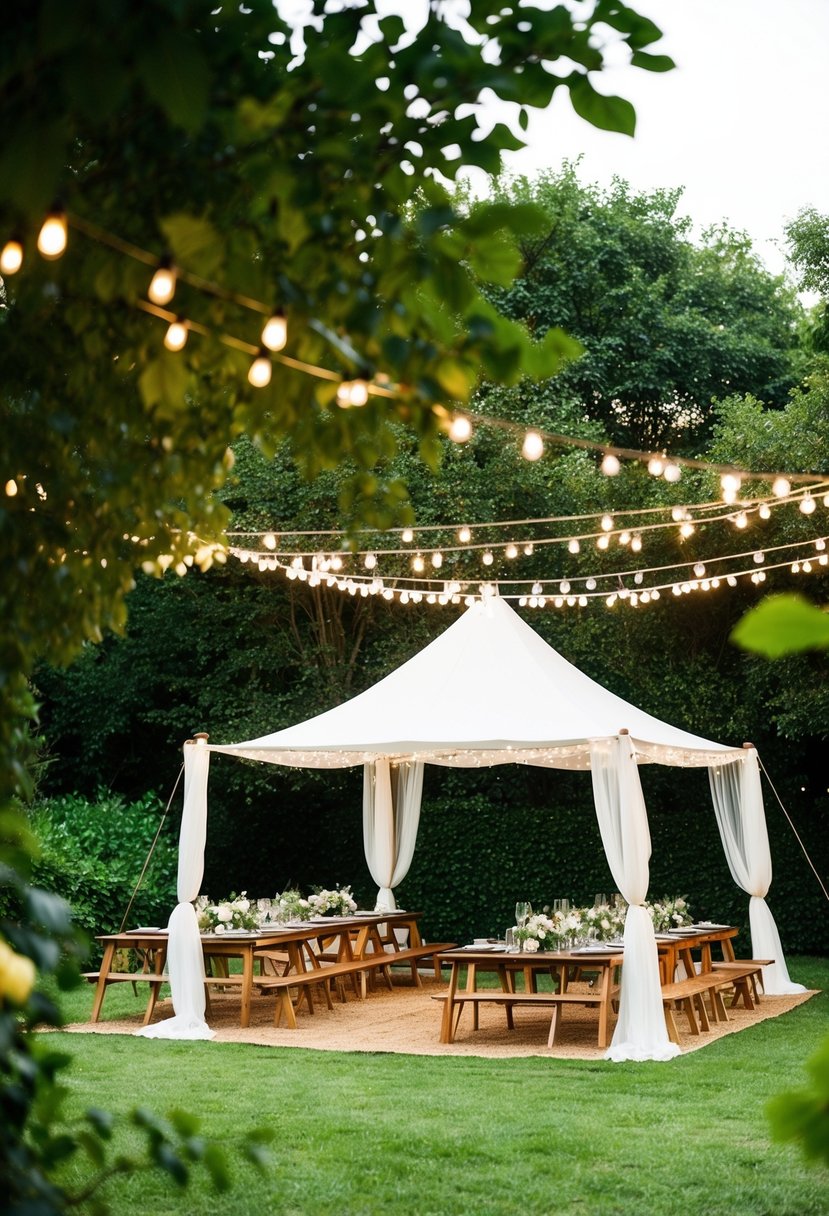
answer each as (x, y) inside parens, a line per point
(443, 1136)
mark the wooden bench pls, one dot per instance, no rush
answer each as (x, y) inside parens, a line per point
(746, 975)
(128, 977)
(360, 968)
(690, 993)
(510, 999)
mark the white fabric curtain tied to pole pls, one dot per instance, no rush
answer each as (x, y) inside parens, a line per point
(738, 806)
(391, 815)
(640, 1032)
(185, 960)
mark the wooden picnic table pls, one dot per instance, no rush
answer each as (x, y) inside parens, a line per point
(679, 946)
(374, 939)
(557, 965)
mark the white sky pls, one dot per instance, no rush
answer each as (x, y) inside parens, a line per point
(742, 123)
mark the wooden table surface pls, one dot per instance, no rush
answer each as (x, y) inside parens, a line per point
(350, 937)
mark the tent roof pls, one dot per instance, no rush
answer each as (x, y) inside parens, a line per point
(487, 691)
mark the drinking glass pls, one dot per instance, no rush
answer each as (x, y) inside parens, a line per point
(509, 941)
(600, 901)
(556, 906)
(523, 910)
(565, 906)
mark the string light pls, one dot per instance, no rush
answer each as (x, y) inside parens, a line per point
(437, 560)
(175, 338)
(260, 371)
(533, 446)
(460, 429)
(11, 488)
(11, 256)
(418, 563)
(781, 487)
(370, 561)
(807, 504)
(764, 510)
(607, 523)
(162, 286)
(353, 393)
(464, 535)
(275, 331)
(573, 545)
(407, 536)
(511, 550)
(51, 240)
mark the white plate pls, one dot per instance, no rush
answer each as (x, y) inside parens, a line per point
(597, 950)
(707, 924)
(490, 946)
(147, 929)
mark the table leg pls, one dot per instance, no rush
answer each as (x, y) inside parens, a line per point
(159, 959)
(247, 985)
(101, 986)
(447, 1031)
(605, 985)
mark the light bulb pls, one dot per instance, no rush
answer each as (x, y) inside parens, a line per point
(656, 466)
(672, 472)
(730, 483)
(162, 286)
(418, 563)
(636, 543)
(603, 541)
(533, 446)
(564, 587)
(260, 370)
(275, 331)
(638, 577)
(610, 465)
(51, 240)
(352, 393)
(11, 488)
(460, 429)
(699, 569)
(590, 584)
(407, 536)
(624, 538)
(11, 257)
(437, 560)
(677, 514)
(607, 523)
(487, 558)
(573, 545)
(511, 550)
(781, 486)
(528, 549)
(759, 557)
(686, 529)
(611, 599)
(764, 510)
(176, 335)
(269, 540)
(820, 543)
(741, 519)
(370, 561)
(807, 504)
(464, 535)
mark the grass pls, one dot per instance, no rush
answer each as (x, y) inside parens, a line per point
(359, 1135)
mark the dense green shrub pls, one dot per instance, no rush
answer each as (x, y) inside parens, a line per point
(92, 853)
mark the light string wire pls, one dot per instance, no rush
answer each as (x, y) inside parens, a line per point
(457, 587)
(724, 514)
(794, 829)
(118, 244)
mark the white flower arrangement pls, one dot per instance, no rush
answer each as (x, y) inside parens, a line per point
(557, 930)
(235, 912)
(338, 902)
(670, 912)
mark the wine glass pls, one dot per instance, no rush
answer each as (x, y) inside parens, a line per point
(523, 910)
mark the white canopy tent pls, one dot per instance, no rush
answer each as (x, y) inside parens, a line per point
(490, 691)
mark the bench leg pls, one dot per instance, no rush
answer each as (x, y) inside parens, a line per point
(284, 1005)
(551, 1037)
(670, 1024)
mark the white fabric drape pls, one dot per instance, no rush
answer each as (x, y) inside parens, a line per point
(640, 1032)
(391, 814)
(738, 806)
(185, 960)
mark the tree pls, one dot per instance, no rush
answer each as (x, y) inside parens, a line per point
(667, 325)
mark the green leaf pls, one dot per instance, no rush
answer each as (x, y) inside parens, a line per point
(194, 242)
(652, 63)
(496, 259)
(176, 76)
(783, 624)
(163, 382)
(215, 1163)
(607, 113)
